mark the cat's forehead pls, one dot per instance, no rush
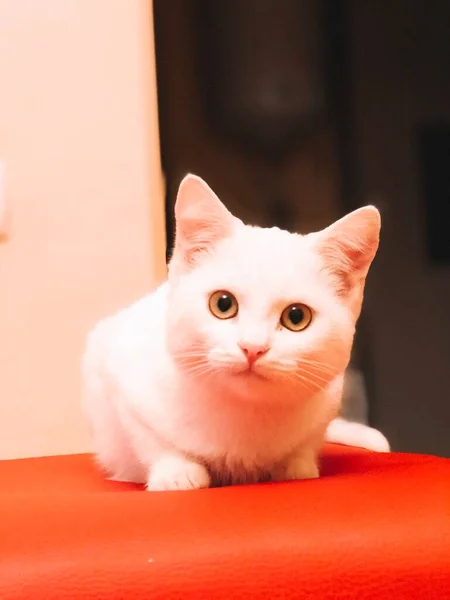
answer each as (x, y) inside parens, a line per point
(270, 259)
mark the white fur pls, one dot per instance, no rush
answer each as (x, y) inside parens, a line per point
(344, 432)
(168, 392)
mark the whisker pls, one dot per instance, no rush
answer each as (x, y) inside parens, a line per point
(199, 368)
(310, 379)
(316, 364)
(315, 381)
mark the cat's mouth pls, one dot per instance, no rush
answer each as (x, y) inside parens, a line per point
(250, 373)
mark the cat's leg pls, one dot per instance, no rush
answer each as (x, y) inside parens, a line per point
(302, 464)
(173, 471)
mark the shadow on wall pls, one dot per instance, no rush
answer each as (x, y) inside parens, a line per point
(396, 82)
(401, 84)
(307, 179)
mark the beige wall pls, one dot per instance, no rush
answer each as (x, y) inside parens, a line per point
(79, 139)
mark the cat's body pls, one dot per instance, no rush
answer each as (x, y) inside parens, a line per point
(141, 389)
(183, 396)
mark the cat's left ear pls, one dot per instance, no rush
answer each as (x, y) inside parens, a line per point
(201, 220)
(348, 247)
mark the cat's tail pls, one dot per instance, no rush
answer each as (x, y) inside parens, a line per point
(349, 433)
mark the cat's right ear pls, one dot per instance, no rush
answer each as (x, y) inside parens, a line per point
(201, 220)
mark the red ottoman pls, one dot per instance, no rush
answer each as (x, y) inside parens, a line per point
(373, 527)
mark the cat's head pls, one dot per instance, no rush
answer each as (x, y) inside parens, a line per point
(252, 307)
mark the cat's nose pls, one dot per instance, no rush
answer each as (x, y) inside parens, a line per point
(253, 351)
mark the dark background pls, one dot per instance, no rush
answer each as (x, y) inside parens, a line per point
(297, 111)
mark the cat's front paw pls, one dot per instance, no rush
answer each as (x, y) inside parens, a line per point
(297, 467)
(171, 473)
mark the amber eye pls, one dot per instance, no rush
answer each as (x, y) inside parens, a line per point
(296, 317)
(223, 305)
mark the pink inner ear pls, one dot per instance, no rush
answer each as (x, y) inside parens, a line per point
(201, 219)
(349, 246)
(197, 236)
(346, 264)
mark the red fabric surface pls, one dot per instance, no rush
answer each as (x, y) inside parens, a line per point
(373, 527)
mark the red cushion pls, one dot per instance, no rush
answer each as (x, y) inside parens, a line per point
(373, 527)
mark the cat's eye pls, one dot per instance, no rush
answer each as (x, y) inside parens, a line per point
(296, 317)
(223, 305)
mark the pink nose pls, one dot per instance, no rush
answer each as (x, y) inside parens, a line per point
(253, 351)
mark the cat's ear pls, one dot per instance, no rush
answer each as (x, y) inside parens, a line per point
(348, 247)
(201, 220)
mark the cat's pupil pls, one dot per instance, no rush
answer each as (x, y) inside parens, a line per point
(224, 303)
(296, 315)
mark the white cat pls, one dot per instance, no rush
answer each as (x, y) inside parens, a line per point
(232, 370)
